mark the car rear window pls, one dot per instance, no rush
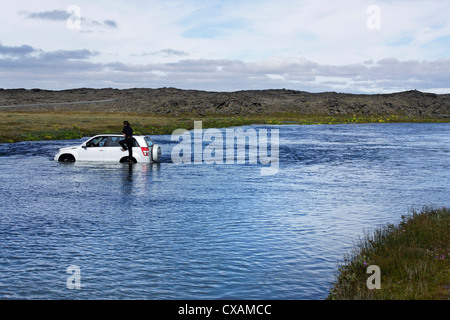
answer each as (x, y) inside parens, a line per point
(149, 141)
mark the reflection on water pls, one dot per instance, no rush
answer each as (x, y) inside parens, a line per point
(208, 231)
(135, 176)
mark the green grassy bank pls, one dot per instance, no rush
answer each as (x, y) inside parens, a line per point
(413, 258)
(58, 125)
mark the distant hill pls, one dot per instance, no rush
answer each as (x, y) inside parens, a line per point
(171, 101)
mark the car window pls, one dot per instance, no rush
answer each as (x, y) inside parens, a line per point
(113, 142)
(135, 143)
(96, 142)
(149, 141)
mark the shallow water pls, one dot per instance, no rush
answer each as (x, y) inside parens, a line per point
(211, 231)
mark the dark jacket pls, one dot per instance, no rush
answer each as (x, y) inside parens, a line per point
(127, 131)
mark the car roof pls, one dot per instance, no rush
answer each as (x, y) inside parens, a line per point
(116, 135)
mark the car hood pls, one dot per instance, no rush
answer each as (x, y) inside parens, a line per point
(67, 148)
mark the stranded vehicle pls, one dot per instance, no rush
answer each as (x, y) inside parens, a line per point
(106, 148)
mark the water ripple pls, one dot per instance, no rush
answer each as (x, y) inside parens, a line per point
(199, 231)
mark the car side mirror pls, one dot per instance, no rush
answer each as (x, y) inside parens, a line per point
(84, 145)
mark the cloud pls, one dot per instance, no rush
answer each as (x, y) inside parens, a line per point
(54, 15)
(64, 15)
(68, 55)
(167, 53)
(24, 66)
(110, 23)
(229, 45)
(16, 51)
(49, 63)
(26, 53)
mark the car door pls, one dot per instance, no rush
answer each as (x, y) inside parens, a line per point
(113, 150)
(94, 149)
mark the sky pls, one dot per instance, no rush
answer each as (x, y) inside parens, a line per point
(352, 46)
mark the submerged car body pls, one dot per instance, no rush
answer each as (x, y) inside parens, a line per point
(106, 147)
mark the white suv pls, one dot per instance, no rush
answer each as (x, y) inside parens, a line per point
(106, 148)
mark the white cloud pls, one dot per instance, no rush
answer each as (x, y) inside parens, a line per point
(38, 68)
(231, 45)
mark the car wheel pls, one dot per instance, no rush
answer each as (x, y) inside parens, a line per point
(67, 158)
(126, 160)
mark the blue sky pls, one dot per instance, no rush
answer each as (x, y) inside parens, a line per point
(344, 46)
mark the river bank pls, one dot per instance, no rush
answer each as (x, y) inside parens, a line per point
(413, 261)
(69, 114)
(61, 125)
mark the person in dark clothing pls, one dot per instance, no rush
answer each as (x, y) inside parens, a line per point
(127, 143)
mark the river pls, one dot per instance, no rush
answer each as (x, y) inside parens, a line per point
(210, 231)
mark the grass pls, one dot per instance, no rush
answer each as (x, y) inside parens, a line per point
(57, 125)
(413, 258)
(32, 126)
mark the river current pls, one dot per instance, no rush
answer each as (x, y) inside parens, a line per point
(210, 231)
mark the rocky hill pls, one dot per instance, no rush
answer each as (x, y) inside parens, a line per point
(171, 101)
